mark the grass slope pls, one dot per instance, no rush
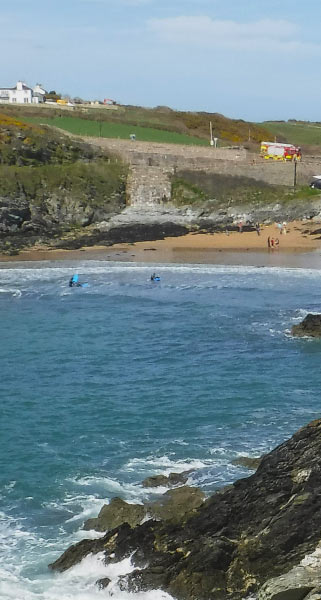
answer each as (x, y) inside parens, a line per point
(216, 191)
(299, 133)
(86, 127)
(150, 124)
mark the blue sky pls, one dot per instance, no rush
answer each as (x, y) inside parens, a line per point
(246, 59)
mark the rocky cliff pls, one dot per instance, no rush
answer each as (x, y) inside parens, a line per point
(50, 184)
(260, 535)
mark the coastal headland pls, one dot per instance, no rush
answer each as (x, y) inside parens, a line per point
(259, 535)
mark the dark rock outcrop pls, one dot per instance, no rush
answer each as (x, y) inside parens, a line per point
(115, 514)
(103, 583)
(248, 462)
(310, 326)
(124, 234)
(259, 528)
(174, 506)
(166, 480)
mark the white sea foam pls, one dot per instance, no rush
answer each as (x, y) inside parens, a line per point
(110, 487)
(25, 552)
(46, 271)
(78, 583)
(164, 465)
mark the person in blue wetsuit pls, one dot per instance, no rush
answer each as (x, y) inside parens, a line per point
(73, 282)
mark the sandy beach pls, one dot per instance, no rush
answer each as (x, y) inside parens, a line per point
(298, 247)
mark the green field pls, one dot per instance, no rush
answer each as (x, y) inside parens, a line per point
(107, 129)
(298, 133)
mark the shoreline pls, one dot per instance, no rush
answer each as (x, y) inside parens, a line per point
(297, 248)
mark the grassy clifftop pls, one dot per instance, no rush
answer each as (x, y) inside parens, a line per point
(159, 124)
(26, 144)
(162, 124)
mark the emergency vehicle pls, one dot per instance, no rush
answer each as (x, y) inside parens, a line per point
(278, 151)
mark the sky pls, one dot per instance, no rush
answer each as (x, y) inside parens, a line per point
(246, 59)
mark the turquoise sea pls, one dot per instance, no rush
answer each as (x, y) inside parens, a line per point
(104, 385)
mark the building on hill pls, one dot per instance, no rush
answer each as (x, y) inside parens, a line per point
(22, 94)
(40, 93)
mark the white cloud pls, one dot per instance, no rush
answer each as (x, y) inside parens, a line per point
(266, 35)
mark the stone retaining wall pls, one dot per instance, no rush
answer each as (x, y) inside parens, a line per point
(148, 186)
(273, 173)
(163, 155)
(152, 164)
(232, 161)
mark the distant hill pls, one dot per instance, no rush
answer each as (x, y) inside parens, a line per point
(160, 124)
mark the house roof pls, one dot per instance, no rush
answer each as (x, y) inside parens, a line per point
(24, 87)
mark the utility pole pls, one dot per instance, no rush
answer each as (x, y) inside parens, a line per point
(295, 165)
(249, 134)
(211, 134)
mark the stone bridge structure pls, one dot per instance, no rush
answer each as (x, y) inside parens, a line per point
(152, 166)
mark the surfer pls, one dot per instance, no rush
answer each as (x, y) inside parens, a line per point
(154, 277)
(73, 282)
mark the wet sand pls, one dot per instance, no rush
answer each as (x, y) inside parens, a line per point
(297, 248)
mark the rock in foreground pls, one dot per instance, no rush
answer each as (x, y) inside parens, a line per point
(257, 529)
(173, 506)
(310, 326)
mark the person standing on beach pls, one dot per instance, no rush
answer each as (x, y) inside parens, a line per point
(240, 226)
(257, 228)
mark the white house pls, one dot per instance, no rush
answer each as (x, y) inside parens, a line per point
(38, 92)
(22, 94)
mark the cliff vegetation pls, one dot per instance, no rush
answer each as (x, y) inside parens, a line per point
(49, 184)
